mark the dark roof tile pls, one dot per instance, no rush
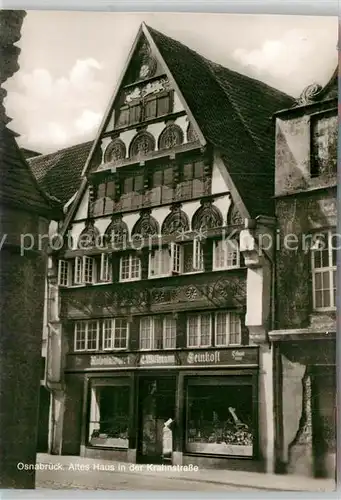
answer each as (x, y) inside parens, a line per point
(59, 173)
(18, 187)
(234, 113)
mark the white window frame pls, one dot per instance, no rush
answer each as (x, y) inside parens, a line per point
(130, 258)
(152, 337)
(153, 320)
(227, 254)
(172, 250)
(175, 256)
(61, 264)
(331, 269)
(198, 333)
(228, 318)
(92, 263)
(112, 347)
(105, 269)
(78, 271)
(86, 323)
(164, 321)
(198, 257)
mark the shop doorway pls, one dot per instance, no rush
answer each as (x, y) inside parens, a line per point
(156, 403)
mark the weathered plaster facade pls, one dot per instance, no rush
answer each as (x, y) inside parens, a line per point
(304, 334)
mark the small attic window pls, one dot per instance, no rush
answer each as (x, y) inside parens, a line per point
(324, 135)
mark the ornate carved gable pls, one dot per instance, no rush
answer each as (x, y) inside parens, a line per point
(146, 225)
(315, 92)
(143, 64)
(89, 236)
(176, 221)
(207, 217)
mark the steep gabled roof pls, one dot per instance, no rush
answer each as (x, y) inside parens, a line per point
(59, 173)
(18, 187)
(234, 114)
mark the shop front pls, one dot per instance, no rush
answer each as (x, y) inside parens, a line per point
(175, 407)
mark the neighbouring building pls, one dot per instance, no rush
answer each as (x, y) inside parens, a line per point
(304, 338)
(25, 212)
(159, 302)
(28, 153)
(59, 175)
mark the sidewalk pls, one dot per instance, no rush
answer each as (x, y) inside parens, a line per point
(255, 480)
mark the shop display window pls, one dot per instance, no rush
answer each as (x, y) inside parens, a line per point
(220, 419)
(109, 415)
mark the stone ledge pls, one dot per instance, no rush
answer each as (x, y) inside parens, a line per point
(302, 334)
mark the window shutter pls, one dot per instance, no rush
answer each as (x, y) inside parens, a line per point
(208, 255)
(78, 270)
(175, 257)
(105, 265)
(144, 264)
(134, 333)
(197, 255)
(181, 331)
(115, 266)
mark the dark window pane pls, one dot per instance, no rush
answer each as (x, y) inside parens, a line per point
(134, 114)
(325, 258)
(101, 190)
(317, 259)
(220, 425)
(109, 413)
(168, 176)
(198, 170)
(128, 185)
(110, 189)
(123, 117)
(157, 178)
(150, 109)
(163, 105)
(188, 172)
(138, 184)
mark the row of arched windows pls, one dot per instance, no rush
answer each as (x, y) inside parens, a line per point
(206, 217)
(144, 143)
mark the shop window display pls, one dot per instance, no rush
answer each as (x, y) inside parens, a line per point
(109, 416)
(220, 420)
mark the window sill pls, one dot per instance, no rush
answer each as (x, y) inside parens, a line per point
(324, 310)
(225, 268)
(98, 447)
(216, 455)
(132, 280)
(115, 349)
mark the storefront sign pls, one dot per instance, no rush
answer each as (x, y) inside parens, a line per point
(108, 360)
(203, 357)
(246, 356)
(219, 357)
(157, 359)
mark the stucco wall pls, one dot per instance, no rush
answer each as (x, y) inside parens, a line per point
(300, 215)
(21, 313)
(293, 153)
